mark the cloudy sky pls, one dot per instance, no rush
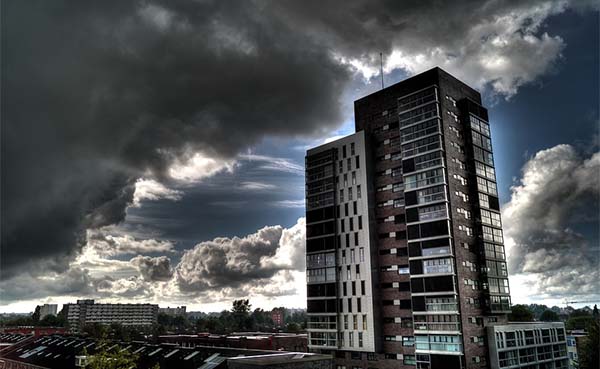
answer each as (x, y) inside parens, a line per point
(153, 150)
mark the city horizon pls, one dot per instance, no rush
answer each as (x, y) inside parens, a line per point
(274, 184)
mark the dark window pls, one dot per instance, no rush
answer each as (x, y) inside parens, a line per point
(362, 287)
(401, 235)
(320, 244)
(412, 215)
(402, 251)
(416, 267)
(344, 151)
(353, 288)
(320, 214)
(358, 305)
(404, 286)
(416, 285)
(321, 306)
(400, 218)
(439, 284)
(321, 290)
(408, 165)
(355, 238)
(360, 222)
(418, 303)
(357, 161)
(410, 198)
(494, 204)
(414, 249)
(346, 209)
(347, 240)
(344, 288)
(349, 305)
(405, 304)
(354, 208)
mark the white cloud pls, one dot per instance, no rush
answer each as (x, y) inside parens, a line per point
(257, 186)
(105, 244)
(290, 203)
(548, 259)
(274, 163)
(199, 166)
(502, 47)
(151, 190)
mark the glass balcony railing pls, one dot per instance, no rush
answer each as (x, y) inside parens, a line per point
(450, 306)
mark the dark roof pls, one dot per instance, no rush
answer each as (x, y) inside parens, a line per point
(58, 351)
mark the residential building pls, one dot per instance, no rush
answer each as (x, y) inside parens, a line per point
(175, 311)
(48, 309)
(405, 254)
(278, 317)
(88, 312)
(575, 340)
(528, 345)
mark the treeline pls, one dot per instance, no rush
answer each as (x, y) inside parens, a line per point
(241, 318)
(573, 318)
(34, 320)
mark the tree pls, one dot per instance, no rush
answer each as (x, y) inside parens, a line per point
(241, 306)
(36, 314)
(549, 316)
(96, 330)
(579, 319)
(589, 357)
(292, 328)
(114, 359)
(520, 313)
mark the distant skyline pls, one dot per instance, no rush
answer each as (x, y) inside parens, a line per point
(156, 154)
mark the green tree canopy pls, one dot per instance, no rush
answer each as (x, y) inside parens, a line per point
(520, 313)
(589, 352)
(549, 316)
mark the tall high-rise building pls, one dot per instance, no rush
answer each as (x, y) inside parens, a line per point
(405, 255)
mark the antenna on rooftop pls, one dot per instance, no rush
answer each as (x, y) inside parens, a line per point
(381, 68)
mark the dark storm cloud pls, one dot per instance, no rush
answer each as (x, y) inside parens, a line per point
(558, 193)
(96, 94)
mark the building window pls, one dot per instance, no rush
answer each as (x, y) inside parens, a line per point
(358, 192)
(352, 148)
(490, 218)
(362, 287)
(357, 162)
(426, 178)
(361, 254)
(360, 339)
(403, 269)
(351, 339)
(355, 322)
(360, 222)
(485, 171)
(345, 321)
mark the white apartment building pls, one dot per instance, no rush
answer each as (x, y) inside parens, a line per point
(88, 312)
